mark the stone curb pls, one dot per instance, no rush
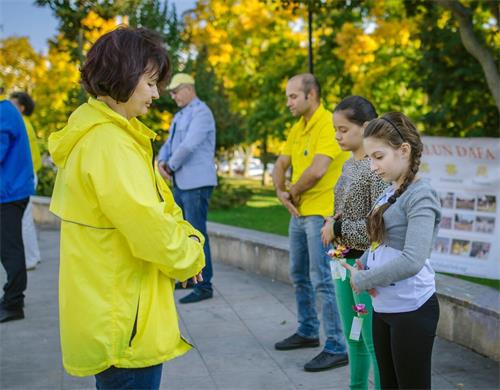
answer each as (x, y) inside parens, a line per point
(41, 214)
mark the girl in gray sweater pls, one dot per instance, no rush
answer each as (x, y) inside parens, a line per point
(402, 227)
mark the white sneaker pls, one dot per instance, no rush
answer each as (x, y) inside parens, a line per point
(31, 267)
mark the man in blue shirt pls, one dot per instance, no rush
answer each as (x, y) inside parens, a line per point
(16, 186)
(187, 159)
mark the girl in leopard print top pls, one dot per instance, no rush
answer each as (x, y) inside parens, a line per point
(355, 193)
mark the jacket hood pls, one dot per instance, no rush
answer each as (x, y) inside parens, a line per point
(83, 120)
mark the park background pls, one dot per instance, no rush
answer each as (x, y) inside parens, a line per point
(437, 61)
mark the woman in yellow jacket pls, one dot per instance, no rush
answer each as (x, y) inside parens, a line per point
(123, 239)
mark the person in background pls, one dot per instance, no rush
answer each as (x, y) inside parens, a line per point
(16, 186)
(355, 193)
(316, 162)
(26, 106)
(402, 228)
(187, 160)
(123, 239)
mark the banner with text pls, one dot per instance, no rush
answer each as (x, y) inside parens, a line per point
(466, 174)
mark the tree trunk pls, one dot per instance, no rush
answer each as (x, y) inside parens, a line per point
(230, 159)
(246, 161)
(474, 47)
(264, 158)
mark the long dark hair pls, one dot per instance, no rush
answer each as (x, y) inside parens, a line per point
(395, 129)
(357, 109)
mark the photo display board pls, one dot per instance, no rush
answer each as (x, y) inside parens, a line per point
(466, 174)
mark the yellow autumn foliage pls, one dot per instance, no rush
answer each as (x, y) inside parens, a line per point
(444, 19)
(18, 62)
(95, 26)
(236, 33)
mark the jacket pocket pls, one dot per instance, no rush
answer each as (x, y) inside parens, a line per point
(134, 327)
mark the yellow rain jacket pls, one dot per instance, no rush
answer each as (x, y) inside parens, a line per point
(123, 244)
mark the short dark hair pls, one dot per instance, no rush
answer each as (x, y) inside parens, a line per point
(309, 82)
(24, 100)
(117, 60)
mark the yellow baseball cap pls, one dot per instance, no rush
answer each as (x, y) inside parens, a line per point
(178, 79)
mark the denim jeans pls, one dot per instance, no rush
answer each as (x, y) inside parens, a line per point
(311, 275)
(194, 205)
(129, 378)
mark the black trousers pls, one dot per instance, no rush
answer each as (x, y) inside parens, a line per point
(12, 253)
(403, 346)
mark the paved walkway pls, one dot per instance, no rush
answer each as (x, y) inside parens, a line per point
(234, 334)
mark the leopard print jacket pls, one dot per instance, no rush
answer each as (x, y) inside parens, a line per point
(355, 193)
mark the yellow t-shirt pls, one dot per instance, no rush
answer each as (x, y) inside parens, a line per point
(35, 150)
(303, 143)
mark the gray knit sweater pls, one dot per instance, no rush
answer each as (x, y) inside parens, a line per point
(411, 226)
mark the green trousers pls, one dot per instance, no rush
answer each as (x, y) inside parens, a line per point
(361, 353)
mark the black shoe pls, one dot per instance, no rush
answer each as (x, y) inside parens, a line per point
(196, 296)
(178, 285)
(327, 361)
(296, 341)
(11, 315)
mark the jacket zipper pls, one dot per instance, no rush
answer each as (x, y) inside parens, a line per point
(154, 175)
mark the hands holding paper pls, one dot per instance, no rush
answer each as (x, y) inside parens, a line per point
(354, 270)
(197, 278)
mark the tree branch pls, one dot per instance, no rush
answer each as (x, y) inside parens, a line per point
(472, 44)
(495, 9)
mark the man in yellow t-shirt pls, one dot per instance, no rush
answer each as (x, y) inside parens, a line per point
(26, 106)
(316, 161)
